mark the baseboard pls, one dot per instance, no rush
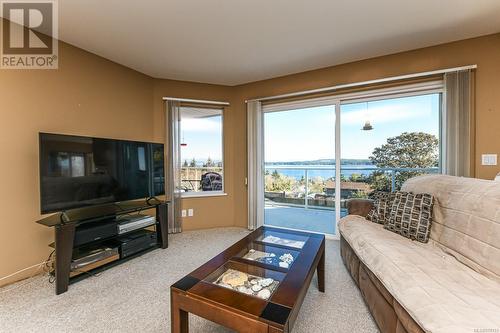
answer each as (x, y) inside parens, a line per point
(21, 275)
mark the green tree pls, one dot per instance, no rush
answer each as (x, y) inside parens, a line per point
(317, 185)
(277, 182)
(185, 164)
(359, 194)
(209, 163)
(379, 181)
(356, 177)
(408, 150)
(193, 163)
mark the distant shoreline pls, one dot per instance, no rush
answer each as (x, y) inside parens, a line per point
(296, 170)
(324, 162)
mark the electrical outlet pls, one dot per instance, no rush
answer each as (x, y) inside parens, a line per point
(190, 212)
(183, 212)
(489, 159)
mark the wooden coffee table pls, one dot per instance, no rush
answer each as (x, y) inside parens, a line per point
(219, 289)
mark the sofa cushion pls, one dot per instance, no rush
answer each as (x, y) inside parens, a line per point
(438, 292)
(466, 219)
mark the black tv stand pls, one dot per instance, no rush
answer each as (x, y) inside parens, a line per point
(65, 224)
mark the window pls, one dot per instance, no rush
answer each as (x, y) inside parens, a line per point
(77, 165)
(320, 152)
(388, 140)
(67, 164)
(141, 158)
(201, 144)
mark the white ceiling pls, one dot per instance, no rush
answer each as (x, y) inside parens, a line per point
(238, 41)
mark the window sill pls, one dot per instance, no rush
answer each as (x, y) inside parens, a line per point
(187, 195)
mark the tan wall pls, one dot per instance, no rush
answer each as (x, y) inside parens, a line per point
(483, 51)
(89, 95)
(214, 211)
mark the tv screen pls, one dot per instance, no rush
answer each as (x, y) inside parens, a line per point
(77, 171)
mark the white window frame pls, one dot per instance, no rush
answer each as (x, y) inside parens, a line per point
(221, 193)
(408, 90)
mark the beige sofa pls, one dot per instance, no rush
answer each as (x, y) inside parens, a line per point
(450, 284)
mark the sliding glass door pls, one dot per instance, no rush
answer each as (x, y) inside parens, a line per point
(299, 163)
(319, 153)
(386, 141)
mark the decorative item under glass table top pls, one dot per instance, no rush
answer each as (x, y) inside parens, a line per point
(269, 255)
(278, 238)
(247, 283)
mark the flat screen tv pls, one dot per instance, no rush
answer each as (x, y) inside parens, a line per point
(77, 171)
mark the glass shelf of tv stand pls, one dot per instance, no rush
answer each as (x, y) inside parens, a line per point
(99, 212)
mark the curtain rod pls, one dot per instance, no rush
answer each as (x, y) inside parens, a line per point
(194, 101)
(364, 83)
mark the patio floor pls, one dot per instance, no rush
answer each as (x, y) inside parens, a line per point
(310, 219)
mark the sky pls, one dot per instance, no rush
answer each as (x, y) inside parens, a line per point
(309, 134)
(203, 137)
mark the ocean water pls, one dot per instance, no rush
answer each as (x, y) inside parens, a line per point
(346, 170)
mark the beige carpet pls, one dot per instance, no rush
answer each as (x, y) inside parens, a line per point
(134, 297)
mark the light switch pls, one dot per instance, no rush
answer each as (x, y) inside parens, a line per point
(489, 159)
(183, 212)
(190, 212)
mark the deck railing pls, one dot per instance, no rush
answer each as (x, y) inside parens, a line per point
(364, 171)
(191, 176)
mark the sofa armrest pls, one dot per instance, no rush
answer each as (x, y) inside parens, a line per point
(359, 206)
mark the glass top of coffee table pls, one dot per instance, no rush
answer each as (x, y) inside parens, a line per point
(283, 239)
(260, 283)
(269, 255)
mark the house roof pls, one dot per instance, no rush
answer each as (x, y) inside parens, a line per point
(359, 186)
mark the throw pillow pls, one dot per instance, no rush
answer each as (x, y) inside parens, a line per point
(417, 217)
(373, 213)
(381, 207)
(393, 223)
(411, 216)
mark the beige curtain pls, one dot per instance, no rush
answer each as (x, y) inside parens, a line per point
(174, 166)
(457, 123)
(255, 178)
